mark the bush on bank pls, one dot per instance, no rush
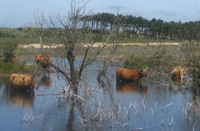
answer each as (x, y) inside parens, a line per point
(7, 67)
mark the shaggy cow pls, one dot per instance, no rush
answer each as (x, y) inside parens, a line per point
(178, 73)
(22, 81)
(123, 74)
(44, 61)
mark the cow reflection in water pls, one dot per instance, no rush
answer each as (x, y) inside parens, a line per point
(131, 87)
(23, 98)
(179, 82)
(45, 81)
(134, 87)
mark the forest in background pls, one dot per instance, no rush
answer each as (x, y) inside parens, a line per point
(129, 29)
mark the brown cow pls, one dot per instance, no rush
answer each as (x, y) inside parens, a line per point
(123, 74)
(178, 73)
(44, 61)
(22, 81)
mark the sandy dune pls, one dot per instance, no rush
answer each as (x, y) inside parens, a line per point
(38, 45)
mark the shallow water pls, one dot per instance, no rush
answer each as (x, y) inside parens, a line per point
(150, 106)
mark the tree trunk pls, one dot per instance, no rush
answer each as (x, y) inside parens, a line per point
(73, 72)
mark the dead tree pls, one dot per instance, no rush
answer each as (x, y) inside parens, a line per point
(75, 41)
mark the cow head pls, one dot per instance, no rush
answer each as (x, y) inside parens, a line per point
(44, 61)
(145, 72)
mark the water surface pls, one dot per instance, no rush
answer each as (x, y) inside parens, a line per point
(153, 105)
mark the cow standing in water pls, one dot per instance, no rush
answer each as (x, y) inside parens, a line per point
(44, 61)
(178, 73)
(22, 81)
(123, 74)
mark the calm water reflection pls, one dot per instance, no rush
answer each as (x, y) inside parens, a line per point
(149, 106)
(22, 98)
(44, 80)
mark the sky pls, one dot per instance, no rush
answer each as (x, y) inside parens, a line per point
(19, 13)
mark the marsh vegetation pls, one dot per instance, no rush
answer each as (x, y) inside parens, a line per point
(80, 90)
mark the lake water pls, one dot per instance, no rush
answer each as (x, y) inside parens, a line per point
(153, 105)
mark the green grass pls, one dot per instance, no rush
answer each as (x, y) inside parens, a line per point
(12, 67)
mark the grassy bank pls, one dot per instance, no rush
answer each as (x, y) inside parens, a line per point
(13, 67)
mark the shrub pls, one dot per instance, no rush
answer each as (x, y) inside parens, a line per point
(157, 61)
(8, 50)
(135, 62)
(192, 56)
(7, 67)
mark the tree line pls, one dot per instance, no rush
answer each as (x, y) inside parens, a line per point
(125, 26)
(132, 26)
